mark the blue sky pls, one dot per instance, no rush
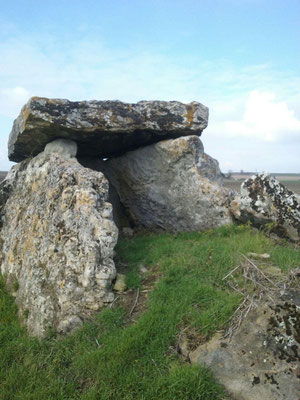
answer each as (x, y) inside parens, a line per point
(241, 58)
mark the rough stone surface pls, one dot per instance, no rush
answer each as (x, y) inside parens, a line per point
(262, 361)
(120, 216)
(57, 239)
(264, 200)
(171, 185)
(64, 147)
(102, 128)
(120, 284)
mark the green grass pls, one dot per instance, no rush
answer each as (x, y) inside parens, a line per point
(109, 359)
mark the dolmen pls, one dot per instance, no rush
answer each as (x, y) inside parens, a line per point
(58, 224)
(84, 171)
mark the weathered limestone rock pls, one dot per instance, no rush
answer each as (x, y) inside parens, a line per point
(119, 213)
(57, 239)
(262, 361)
(102, 128)
(120, 284)
(264, 200)
(171, 185)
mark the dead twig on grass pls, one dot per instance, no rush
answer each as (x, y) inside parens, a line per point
(136, 301)
(231, 272)
(259, 270)
(115, 299)
(238, 279)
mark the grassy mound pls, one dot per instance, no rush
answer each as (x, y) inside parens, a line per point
(115, 357)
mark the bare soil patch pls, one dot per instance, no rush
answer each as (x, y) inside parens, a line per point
(134, 301)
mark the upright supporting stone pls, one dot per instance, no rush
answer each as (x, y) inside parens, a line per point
(57, 239)
(171, 185)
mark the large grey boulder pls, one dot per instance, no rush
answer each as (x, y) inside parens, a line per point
(57, 239)
(262, 360)
(171, 185)
(264, 200)
(102, 128)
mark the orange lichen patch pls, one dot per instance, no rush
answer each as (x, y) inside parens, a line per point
(11, 258)
(35, 187)
(62, 283)
(235, 207)
(84, 199)
(53, 193)
(26, 112)
(38, 98)
(36, 228)
(190, 114)
(28, 243)
(51, 101)
(25, 116)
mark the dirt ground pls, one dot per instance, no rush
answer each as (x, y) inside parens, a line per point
(134, 301)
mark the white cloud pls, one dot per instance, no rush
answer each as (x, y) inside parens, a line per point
(264, 118)
(88, 69)
(12, 99)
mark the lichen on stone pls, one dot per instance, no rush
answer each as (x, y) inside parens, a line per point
(264, 200)
(57, 239)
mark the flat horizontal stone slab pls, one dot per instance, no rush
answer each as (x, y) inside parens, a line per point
(102, 128)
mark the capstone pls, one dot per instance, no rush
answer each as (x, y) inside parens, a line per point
(102, 128)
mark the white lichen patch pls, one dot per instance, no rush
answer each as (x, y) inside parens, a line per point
(264, 200)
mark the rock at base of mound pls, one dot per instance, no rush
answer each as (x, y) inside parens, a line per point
(264, 200)
(171, 185)
(262, 360)
(57, 239)
(102, 128)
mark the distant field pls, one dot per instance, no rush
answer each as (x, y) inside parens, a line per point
(292, 181)
(279, 176)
